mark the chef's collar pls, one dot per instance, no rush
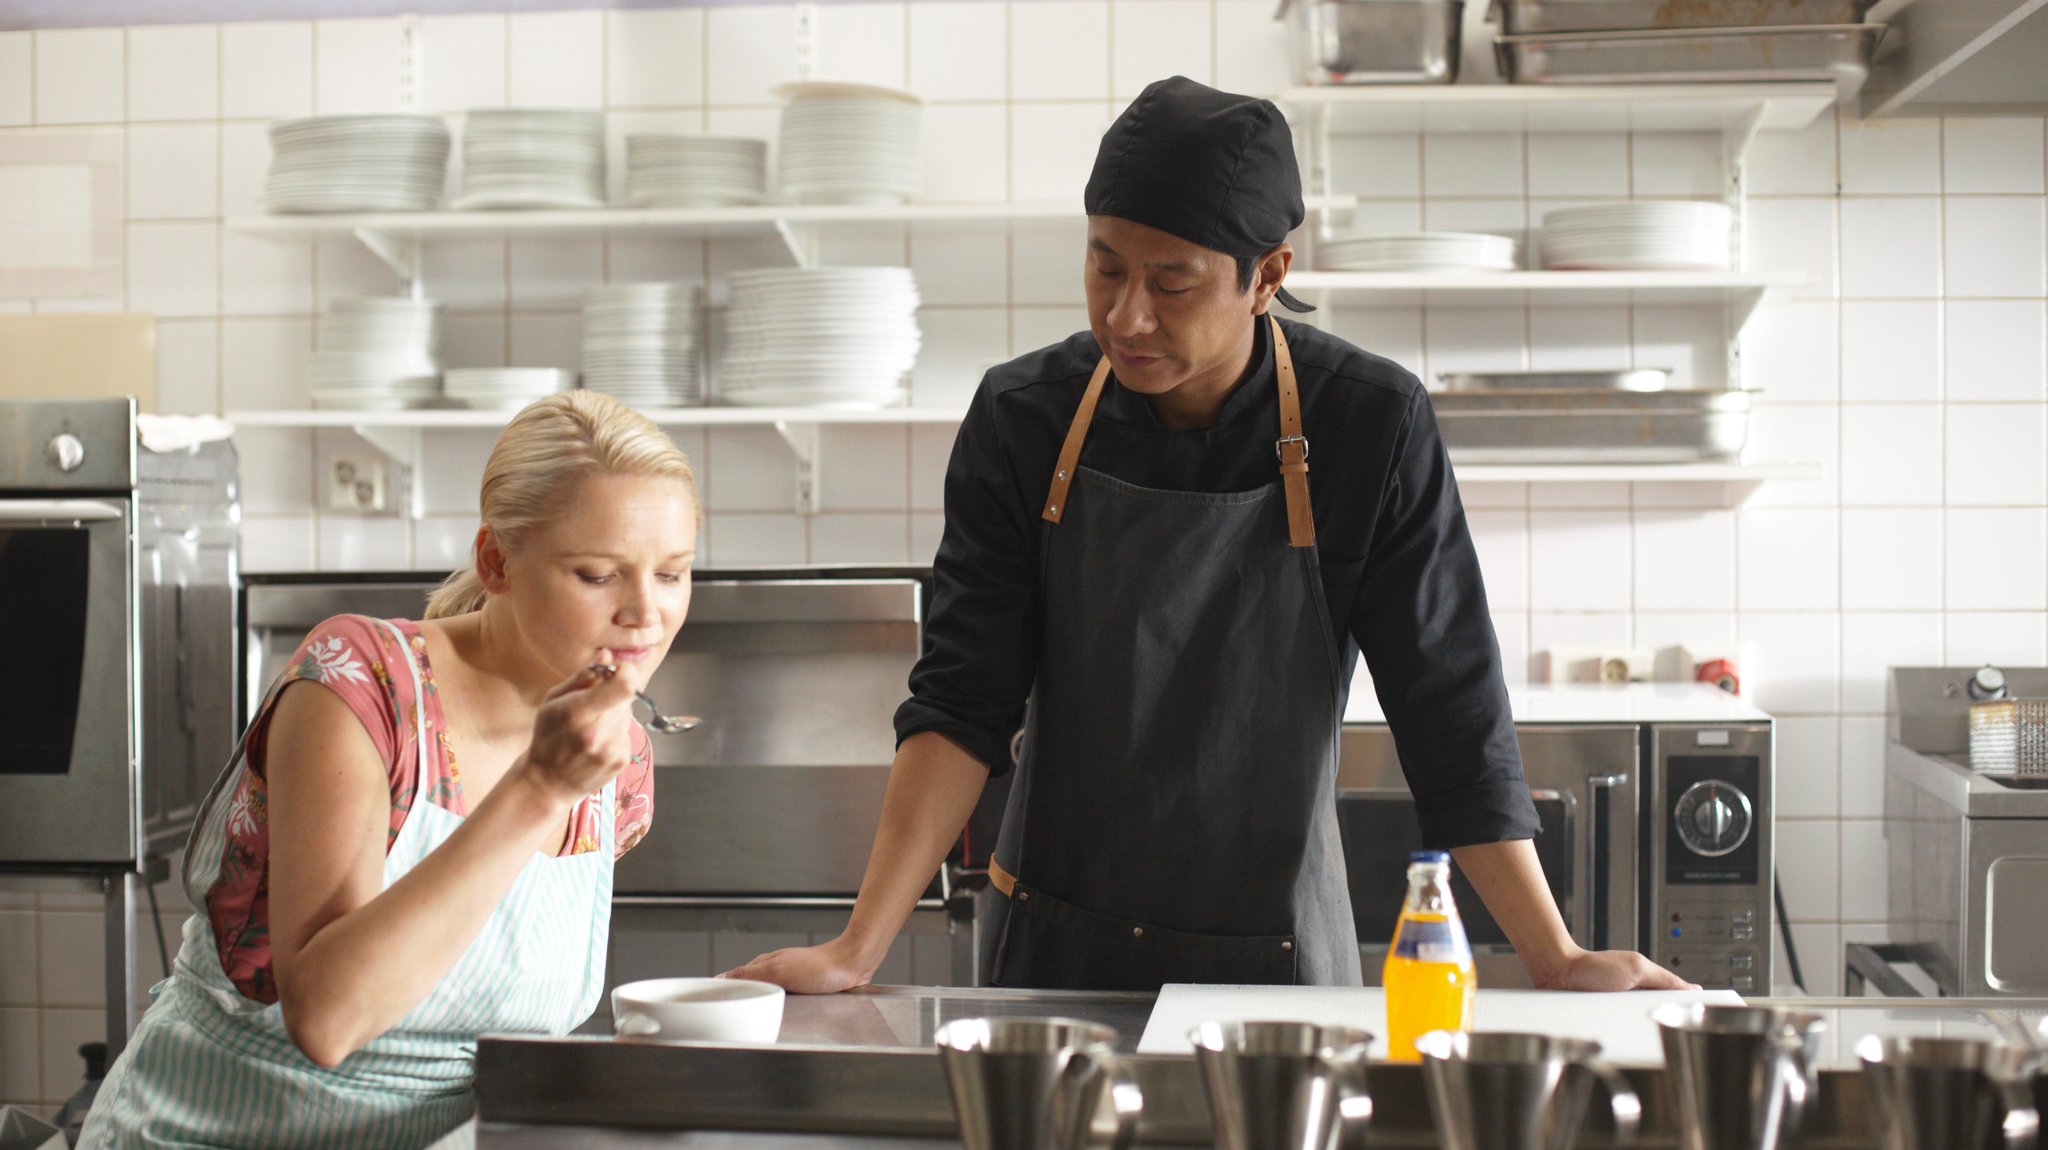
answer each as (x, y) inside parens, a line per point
(1129, 407)
(1213, 168)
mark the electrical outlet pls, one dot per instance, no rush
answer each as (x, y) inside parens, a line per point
(1624, 666)
(1594, 665)
(357, 483)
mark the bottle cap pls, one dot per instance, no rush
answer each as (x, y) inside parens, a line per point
(1429, 856)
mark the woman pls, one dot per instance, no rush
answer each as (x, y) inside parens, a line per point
(414, 843)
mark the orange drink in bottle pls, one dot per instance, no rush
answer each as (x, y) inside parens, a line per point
(1428, 976)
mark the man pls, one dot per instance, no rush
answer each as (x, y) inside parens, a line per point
(1134, 548)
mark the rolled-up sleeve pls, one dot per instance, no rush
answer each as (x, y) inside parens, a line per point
(980, 652)
(1422, 623)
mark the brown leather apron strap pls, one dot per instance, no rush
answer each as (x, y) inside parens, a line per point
(1001, 879)
(1292, 447)
(1070, 451)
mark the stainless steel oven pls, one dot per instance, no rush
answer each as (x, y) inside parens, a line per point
(117, 617)
(1655, 833)
(1968, 872)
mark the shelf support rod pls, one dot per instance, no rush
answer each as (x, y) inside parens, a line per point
(803, 443)
(401, 256)
(1735, 144)
(1320, 165)
(802, 242)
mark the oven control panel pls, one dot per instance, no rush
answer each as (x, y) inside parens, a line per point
(1708, 917)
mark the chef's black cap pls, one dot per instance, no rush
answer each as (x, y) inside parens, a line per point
(1213, 168)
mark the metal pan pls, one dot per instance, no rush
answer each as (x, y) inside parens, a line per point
(1375, 41)
(1837, 52)
(1640, 379)
(1525, 16)
(1688, 426)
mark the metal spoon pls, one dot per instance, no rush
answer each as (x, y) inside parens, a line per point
(659, 723)
(655, 721)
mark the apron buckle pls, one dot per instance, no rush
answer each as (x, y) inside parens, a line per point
(1281, 443)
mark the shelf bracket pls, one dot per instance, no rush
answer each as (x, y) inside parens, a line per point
(801, 240)
(803, 443)
(403, 446)
(402, 256)
(1320, 164)
(1735, 144)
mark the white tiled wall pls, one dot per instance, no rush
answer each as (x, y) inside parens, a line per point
(1912, 367)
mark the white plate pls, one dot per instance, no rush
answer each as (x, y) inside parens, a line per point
(523, 198)
(382, 305)
(823, 400)
(804, 90)
(697, 200)
(383, 125)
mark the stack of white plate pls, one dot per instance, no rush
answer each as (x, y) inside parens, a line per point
(386, 163)
(640, 343)
(504, 387)
(532, 158)
(827, 337)
(695, 171)
(1423, 252)
(1648, 236)
(849, 144)
(377, 353)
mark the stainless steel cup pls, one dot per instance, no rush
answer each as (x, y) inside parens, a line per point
(1949, 1093)
(1284, 1085)
(1502, 1091)
(1035, 1083)
(1742, 1076)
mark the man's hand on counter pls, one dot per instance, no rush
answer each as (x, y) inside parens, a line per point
(1611, 970)
(1510, 882)
(825, 969)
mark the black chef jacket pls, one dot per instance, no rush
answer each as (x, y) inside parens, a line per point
(1399, 570)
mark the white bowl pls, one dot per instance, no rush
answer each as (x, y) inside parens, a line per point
(698, 1010)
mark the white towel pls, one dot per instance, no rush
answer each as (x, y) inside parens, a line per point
(164, 433)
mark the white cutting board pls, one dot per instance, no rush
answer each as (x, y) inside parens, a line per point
(1620, 1023)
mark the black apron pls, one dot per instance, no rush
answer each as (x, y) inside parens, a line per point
(1173, 816)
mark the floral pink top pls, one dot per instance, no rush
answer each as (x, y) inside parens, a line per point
(357, 659)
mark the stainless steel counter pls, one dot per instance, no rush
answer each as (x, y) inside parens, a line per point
(859, 1072)
(910, 1016)
(1974, 794)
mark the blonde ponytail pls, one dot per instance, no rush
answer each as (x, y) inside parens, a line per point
(459, 594)
(549, 447)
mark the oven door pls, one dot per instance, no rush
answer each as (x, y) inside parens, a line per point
(1584, 781)
(2005, 940)
(68, 712)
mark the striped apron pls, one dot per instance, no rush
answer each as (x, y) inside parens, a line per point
(208, 1067)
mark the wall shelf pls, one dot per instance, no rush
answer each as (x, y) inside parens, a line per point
(402, 436)
(454, 419)
(1633, 472)
(1729, 109)
(1738, 293)
(396, 237)
(1735, 482)
(1735, 113)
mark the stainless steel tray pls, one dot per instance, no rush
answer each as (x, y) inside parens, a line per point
(1639, 379)
(1837, 52)
(1521, 16)
(1375, 41)
(1593, 426)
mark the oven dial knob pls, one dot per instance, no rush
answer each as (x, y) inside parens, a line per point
(66, 452)
(1987, 684)
(1713, 818)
